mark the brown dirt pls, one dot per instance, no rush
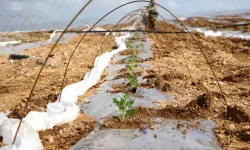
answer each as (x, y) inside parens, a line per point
(1, 142)
(24, 36)
(197, 95)
(196, 109)
(129, 52)
(126, 61)
(17, 78)
(219, 22)
(230, 61)
(64, 136)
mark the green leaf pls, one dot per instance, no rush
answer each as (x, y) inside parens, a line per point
(115, 101)
(130, 103)
(123, 101)
(131, 111)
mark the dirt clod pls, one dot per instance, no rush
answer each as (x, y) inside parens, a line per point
(237, 114)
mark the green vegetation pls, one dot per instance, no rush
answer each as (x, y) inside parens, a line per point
(136, 35)
(129, 44)
(133, 82)
(125, 103)
(125, 106)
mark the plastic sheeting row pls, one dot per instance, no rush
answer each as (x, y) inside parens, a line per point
(58, 113)
(10, 43)
(228, 34)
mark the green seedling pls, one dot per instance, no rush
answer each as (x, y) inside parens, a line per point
(129, 44)
(125, 103)
(141, 45)
(124, 106)
(132, 61)
(136, 35)
(133, 81)
(130, 68)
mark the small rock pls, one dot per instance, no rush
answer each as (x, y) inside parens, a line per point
(50, 138)
(23, 104)
(152, 127)
(216, 110)
(232, 127)
(216, 115)
(42, 109)
(184, 132)
(60, 131)
(50, 62)
(221, 136)
(246, 127)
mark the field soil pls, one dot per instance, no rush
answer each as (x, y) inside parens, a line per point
(18, 76)
(25, 37)
(178, 68)
(220, 22)
(181, 69)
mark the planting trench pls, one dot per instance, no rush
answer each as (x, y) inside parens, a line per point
(110, 133)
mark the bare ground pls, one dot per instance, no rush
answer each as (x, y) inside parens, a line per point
(230, 60)
(24, 36)
(197, 94)
(220, 21)
(17, 78)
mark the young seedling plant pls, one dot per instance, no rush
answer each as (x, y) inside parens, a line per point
(125, 103)
(133, 81)
(125, 106)
(136, 35)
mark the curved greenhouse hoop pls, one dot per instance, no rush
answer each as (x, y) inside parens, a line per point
(39, 19)
(27, 19)
(138, 1)
(8, 23)
(120, 22)
(36, 80)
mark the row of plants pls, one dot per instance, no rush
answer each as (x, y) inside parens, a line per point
(125, 103)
